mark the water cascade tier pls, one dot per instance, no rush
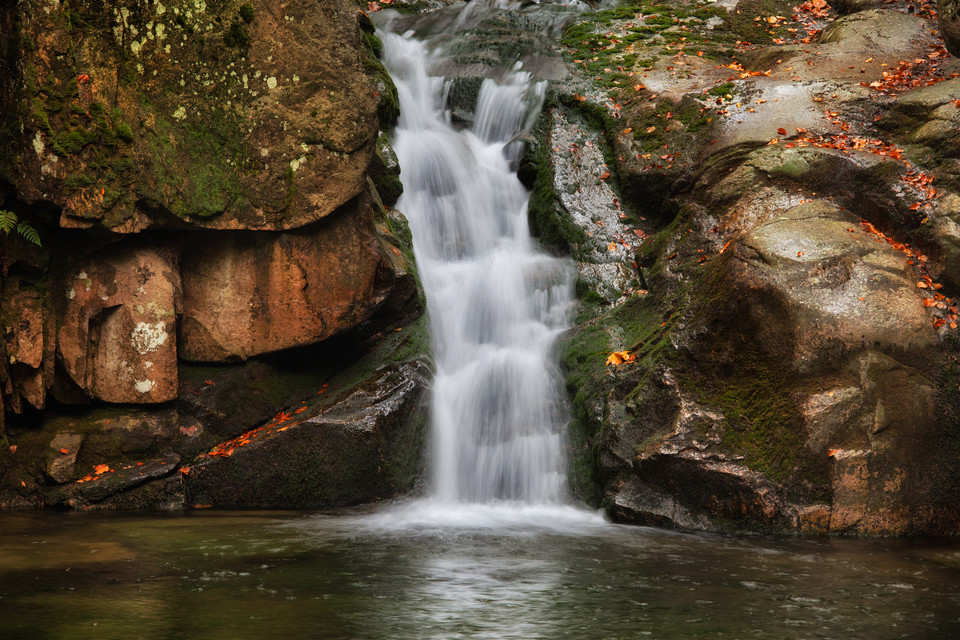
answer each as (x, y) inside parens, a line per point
(496, 302)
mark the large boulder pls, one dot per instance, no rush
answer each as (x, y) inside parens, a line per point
(365, 443)
(227, 115)
(25, 324)
(246, 294)
(116, 335)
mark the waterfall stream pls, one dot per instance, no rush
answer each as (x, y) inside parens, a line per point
(496, 302)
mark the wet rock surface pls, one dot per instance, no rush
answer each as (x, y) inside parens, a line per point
(366, 444)
(785, 357)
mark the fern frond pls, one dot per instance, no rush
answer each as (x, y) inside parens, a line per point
(28, 233)
(8, 221)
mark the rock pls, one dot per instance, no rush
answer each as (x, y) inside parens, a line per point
(116, 337)
(246, 295)
(27, 342)
(367, 444)
(923, 100)
(837, 292)
(62, 456)
(385, 172)
(808, 343)
(117, 480)
(114, 484)
(845, 7)
(948, 17)
(638, 503)
(266, 124)
(947, 232)
(219, 403)
(163, 493)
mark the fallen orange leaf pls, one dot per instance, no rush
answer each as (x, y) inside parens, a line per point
(619, 357)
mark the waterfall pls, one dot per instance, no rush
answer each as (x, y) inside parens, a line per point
(496, 303)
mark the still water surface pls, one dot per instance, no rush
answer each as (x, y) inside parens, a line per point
(262, 575)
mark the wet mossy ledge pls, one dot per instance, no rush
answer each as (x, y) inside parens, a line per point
(786, 362)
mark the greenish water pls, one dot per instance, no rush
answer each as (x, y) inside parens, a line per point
(292, 575)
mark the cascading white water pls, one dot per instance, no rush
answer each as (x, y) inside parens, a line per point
(496, 303)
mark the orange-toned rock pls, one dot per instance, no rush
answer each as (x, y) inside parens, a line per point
(248, 294)
(23, 329)
(116, 338)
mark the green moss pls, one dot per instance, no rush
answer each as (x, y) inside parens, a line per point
(200, 159)
(546, 217)
(722, 90)
(76, 181)
(236, 36)
(247, 12)
(74, 140)
(741, 22)
(125, 132)
(388, 101)
(374, 44)
(598, 41)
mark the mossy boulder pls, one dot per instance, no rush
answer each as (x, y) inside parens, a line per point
(223, 115)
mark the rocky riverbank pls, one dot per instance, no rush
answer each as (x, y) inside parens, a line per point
(768, 336)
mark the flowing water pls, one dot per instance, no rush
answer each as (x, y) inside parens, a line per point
(496, 303)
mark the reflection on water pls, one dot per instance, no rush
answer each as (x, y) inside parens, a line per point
(255, 575)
